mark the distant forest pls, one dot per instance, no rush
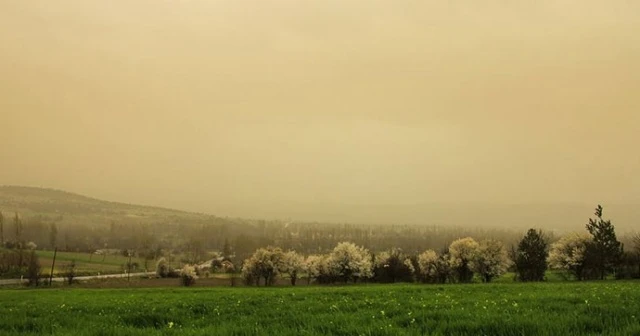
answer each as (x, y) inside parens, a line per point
(70, 222)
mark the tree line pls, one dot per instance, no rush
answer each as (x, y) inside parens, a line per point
(424, 252)
(595, 255)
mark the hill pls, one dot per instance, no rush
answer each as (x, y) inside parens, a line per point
(56, 203)
(78, 223)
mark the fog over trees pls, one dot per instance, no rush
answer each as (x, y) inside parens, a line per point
(264, 251)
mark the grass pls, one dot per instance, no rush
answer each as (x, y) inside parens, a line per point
(90, 264)
(563, 308)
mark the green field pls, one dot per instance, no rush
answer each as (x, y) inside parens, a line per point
(90, 264)
(569, 308)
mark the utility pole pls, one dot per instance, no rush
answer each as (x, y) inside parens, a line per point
(55, 252)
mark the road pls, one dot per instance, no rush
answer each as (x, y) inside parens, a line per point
(79, 278)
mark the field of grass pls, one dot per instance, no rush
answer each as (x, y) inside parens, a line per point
(567, 308)
(89, 264)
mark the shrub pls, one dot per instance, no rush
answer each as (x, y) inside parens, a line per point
(188, 275)
(162, 269)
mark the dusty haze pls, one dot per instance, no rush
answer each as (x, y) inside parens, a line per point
(312, 108)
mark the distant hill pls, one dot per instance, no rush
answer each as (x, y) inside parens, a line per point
(60, 205)
(54, 203)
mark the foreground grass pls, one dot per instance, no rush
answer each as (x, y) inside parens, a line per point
(593, 308)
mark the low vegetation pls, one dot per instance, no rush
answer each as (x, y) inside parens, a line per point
(565, 308)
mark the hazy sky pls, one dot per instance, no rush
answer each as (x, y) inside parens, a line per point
(255, 107)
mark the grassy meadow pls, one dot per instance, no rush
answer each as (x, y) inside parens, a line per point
(563, 308)
(90, 264)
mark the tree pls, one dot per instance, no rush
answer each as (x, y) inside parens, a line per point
(188, 275)
(162, 269)
(216, 264)
(531, 257)
(313, 266)
(636, 243)
(53, 235)
(227, 267)
(226, 250)
(351, 262)
(570, 254)
(636, 248)
(70, 272)
(428, 266)
(392, 266)
(491, 260)
(1, 230)
(462, 252)
(444, 271)
(33, 269)
(265, 263)
(17, 225)
(605, 248)
(293, 265)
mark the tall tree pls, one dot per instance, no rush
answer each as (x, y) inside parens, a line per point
(226, 250)
(1, 229)
(531, 257)
(604, 248)
(636, 249)
(53, 234)
(17, 223)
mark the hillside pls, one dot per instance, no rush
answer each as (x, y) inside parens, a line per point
(86, 223)
(60, 205)
(54, 203)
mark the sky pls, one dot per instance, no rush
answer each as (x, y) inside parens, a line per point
(262, 108)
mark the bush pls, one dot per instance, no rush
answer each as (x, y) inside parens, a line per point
(162, 269)
(188, 275)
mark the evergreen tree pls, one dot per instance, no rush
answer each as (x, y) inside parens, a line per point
(605, 251)
(531, 257)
